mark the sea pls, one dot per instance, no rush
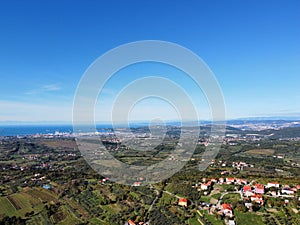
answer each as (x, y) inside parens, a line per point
(26, 130)
(32, 129)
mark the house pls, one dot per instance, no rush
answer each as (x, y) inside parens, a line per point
(214, 180)
(230, 180)
(226, 209)
(221, 180)
(294, 189)
(247, 188)
(273, 193)
(257, 198)
(204, 187)
(273, 184)
(287, 191)
(137, 184)
(241, 181)
(259, 189)
(183, 202)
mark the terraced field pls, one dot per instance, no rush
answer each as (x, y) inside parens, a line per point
(6, 207)
(19, 204)
(40, 219)
(42, 194)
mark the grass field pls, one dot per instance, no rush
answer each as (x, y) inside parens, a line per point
(248, 218)
(231, 198)
(266, 152)
(212, 218)
(216, 196)
(70, 144)
(6, 207)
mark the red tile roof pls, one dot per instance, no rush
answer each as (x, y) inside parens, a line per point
(246, 188)
(260, 186)
(183, 200)
(257, 196)
(226, 206)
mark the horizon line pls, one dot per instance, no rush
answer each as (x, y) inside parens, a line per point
(287, 118)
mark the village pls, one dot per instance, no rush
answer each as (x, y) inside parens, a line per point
(251, 194)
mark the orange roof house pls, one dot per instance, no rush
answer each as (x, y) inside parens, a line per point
(230, 180)
(259, 189)
(226, 207)
(246, 188)
(227, 210)
(258, 199)
(183, 202)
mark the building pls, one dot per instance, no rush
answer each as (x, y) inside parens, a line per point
(247, 188)
(287, 191)
(205, 186)
(230, 180)
(258, 199)
(214, 180)
(137, 184)
(259, 189)
(183, 202)
(273, 184)
(241, 181)
(226, 209)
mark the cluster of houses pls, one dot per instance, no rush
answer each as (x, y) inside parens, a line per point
(237, 165)
(253, 194)
(250, 192)
(247, 189)
(208, 183)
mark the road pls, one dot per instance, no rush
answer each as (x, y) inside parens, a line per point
(156, 198)
(229, 192)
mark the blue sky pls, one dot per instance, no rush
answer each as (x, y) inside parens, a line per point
(252, 47)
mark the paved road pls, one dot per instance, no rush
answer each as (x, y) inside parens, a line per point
(156, 198)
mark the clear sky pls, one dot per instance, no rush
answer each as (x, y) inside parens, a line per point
(252, 47)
